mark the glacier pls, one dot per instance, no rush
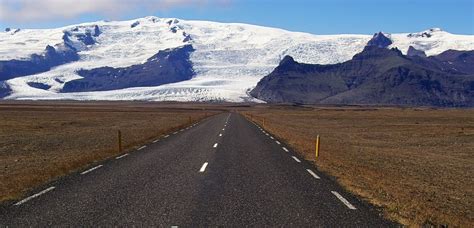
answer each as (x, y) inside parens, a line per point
(228, 61)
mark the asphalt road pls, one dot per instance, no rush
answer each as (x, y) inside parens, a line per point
(224, 170)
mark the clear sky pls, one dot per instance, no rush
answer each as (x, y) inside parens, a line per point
(313, 16)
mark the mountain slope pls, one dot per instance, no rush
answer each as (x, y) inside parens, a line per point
(376, 76)
(228, 59)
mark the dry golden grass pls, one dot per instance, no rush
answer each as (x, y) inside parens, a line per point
(418, 164)
(43, 141)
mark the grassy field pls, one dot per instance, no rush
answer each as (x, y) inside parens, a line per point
(417, 164)
(43, 141)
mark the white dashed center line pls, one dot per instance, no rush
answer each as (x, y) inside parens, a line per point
(166, 136)
(272, 137)
(121, 156)
(220, 135)
(284, 148)
(203, 168)
(223, 129)
(343, 200)
(141, 148)
(156, 141)
(34, 196)
(296, 159)
(91, 169)
(215, 145)
(174, 133)
(278, 142)
(313, 174)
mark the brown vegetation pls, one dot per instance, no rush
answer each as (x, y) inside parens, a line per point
(43, 141)
(418, 164)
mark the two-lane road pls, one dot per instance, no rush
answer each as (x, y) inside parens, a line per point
(224, 170)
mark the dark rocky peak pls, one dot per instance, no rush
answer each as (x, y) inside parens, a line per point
(375, 52)
(8, 29)
(380, 40)
(287, 60)
(177, 53)
(415, 52)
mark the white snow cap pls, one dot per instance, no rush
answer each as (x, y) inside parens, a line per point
(229, 58)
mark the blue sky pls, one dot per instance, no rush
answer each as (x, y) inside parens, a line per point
(313, 16)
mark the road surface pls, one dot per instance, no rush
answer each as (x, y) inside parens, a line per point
(223, 170)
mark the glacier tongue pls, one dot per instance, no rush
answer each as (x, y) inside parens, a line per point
(229, 59)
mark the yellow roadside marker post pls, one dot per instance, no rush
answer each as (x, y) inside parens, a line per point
(317, 146)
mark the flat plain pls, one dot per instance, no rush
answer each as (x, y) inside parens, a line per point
(415, 163)
(42, 141)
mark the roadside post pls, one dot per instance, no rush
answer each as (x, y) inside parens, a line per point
(317, 146)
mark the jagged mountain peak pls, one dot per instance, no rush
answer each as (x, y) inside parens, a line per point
(381, 40)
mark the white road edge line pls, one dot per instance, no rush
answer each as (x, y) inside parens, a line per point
(34, 196)
(141, 148)
(203, 168)
(343, 200)
(296, 159)
(215, 145)
(121, 156)
(284, 148)
(91, 169)
(313, 174)
(278, 142)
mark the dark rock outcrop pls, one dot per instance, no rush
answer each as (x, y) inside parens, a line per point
(4, 89)
(380, 40)
(414, 52)
(167, 66)
(52, 56)
(376, 76)
(39, 85)
(134, 24)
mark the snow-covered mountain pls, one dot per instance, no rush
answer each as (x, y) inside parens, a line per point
(227, 59)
